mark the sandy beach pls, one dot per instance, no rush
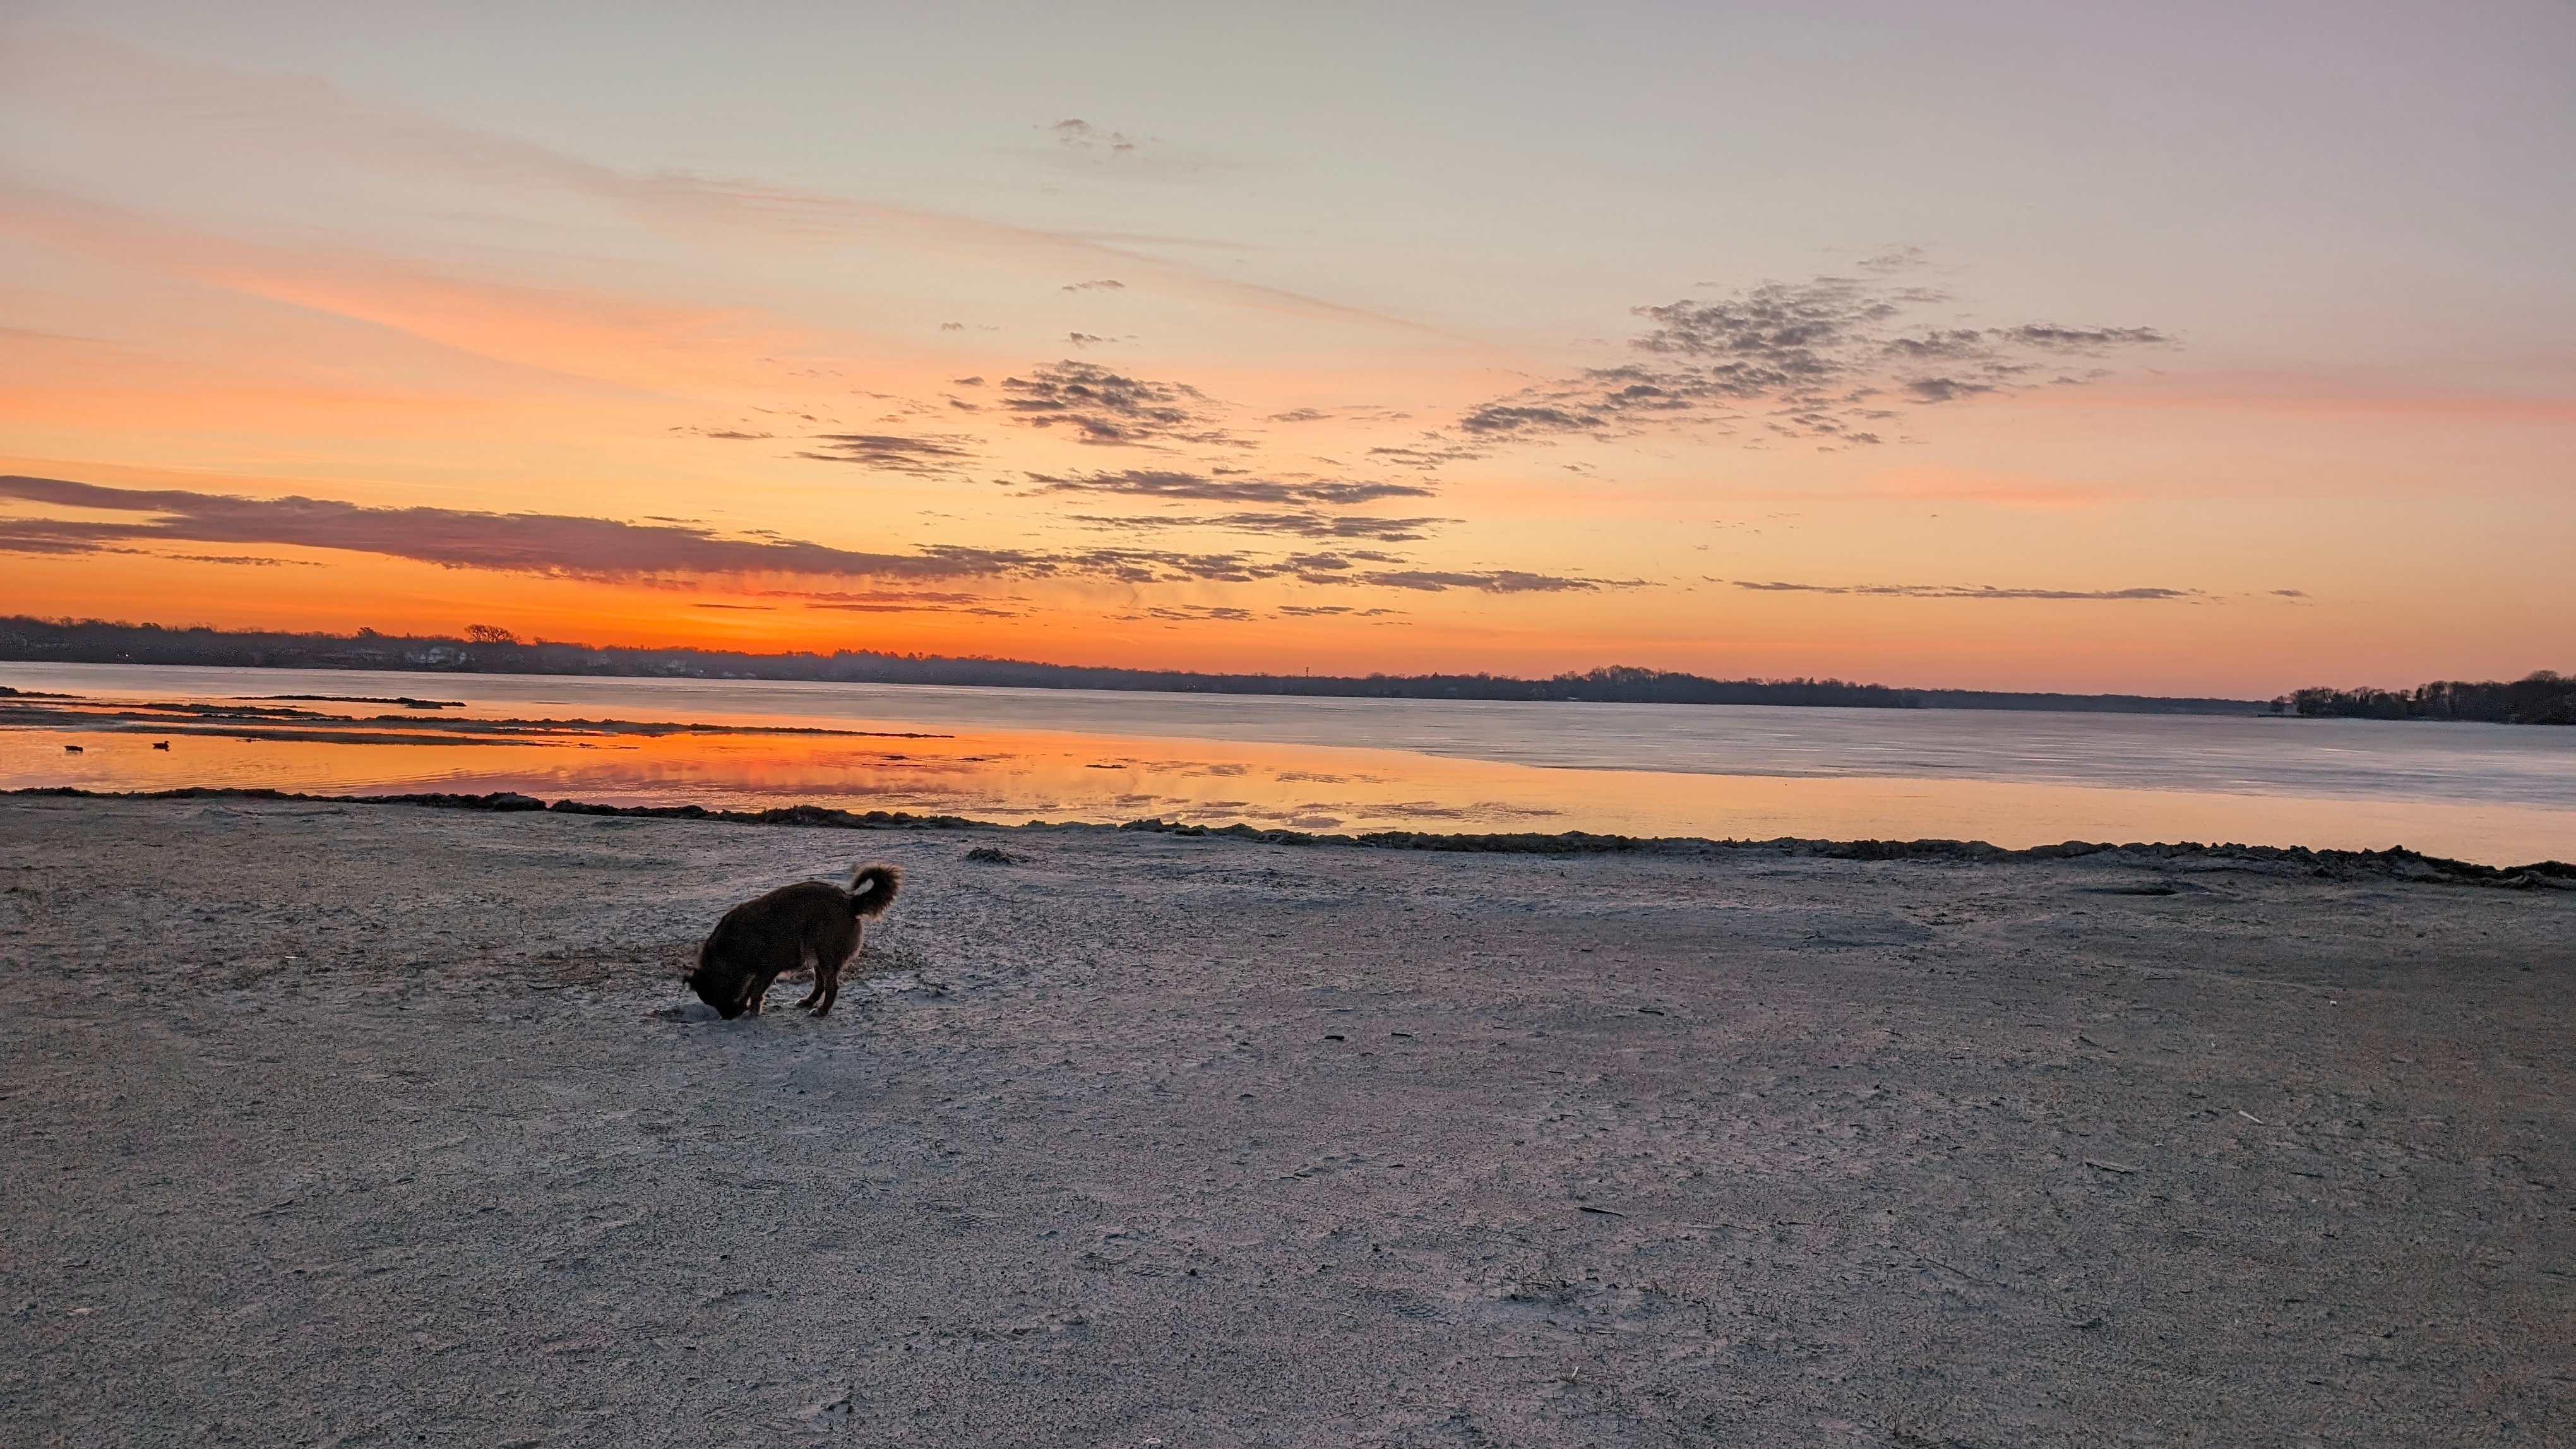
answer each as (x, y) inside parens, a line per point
(352, 1124)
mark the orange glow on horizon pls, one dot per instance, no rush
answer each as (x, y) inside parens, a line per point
(1085, 410)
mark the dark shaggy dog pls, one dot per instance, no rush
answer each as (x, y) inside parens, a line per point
(759, 941)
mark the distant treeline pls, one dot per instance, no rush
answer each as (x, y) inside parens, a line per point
(2543, 698)
(487, 650)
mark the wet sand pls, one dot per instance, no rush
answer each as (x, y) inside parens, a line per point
(371, 1124)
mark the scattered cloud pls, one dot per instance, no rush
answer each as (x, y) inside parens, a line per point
(1358, 567)
(915, 598)
(1964, 591)
(891, 453)
(1104, 408)
(240, 560)
(1327, 611)
(1292, 525)
(1202, 488)
(1300, 415)
(893, 601)
(727, 434)
(1076, 134)
(1819, 359)
(1490, 581)
(1190, 613)
(1431, 452)
(1513, 418)
(43, 536)
(1104, 284)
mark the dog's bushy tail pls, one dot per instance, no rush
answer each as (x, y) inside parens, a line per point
(874, 888)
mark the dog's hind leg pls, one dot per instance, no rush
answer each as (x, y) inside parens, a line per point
(831, 954)
(816, 994)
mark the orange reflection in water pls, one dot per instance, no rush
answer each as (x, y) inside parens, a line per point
(1016, 776)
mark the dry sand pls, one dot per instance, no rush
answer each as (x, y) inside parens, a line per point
(343, 1124)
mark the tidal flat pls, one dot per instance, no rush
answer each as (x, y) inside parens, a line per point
(339, 1123)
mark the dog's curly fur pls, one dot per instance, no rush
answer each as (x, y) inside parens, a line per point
(761, 940)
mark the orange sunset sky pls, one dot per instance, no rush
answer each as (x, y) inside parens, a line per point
(2219, 349)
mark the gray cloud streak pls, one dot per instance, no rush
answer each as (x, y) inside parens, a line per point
(1964, 591)
(1293, 525)
(941, 453)
(606, 550)
(548, 544)
(1202, 488)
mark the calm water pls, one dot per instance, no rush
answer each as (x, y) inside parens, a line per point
(2483, 792)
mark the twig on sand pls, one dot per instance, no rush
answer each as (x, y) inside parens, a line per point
(1605, 1212)
(2110, 1167)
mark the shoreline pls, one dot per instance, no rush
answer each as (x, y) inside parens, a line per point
(27, 640)
(2395, 862)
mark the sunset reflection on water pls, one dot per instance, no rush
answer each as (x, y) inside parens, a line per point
(1015, 776)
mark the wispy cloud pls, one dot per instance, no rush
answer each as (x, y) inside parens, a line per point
(239, 560)
(1190, 613)
(1429, 452)
(1341, 567)
(1822, 359)
(1103, 284)
(1076, 134)
(302, 123)
(937, 454)
(43, 536)
(1967, 591)
(1107, 409)
(608, 550)
(1489, 581)
(1205, 488)
(527, 543)
(1291, 525)
(898, 601)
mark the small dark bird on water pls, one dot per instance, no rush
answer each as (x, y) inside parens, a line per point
(160, 744)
